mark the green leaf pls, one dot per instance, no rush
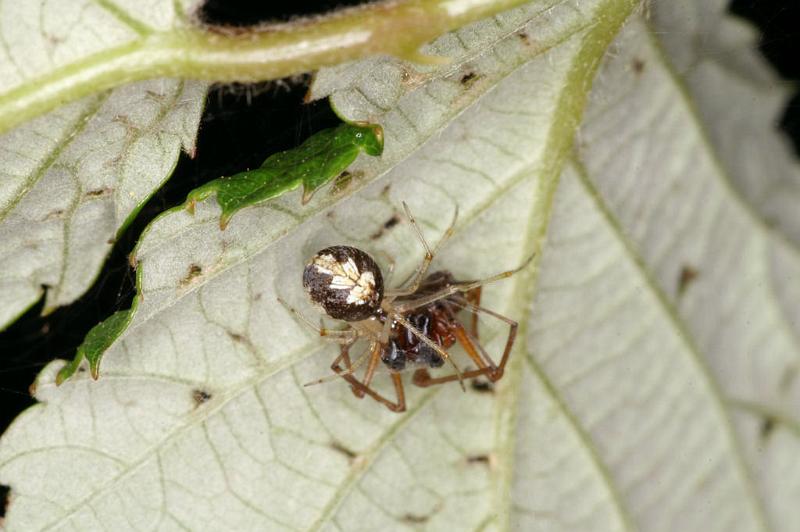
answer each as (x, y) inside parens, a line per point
(653, 381)
(319, 159)
(94, 345)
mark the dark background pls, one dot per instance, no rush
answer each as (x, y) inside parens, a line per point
(241, 126)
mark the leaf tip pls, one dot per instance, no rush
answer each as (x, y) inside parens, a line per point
(224, 219)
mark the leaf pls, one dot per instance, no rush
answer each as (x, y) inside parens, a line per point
(635, 397)
(72, 180)
(319, 159)
(760, 166)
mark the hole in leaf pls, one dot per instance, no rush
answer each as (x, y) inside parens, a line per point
(5, 499)
(248, 13)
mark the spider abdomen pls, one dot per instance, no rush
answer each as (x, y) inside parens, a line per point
(345, 281)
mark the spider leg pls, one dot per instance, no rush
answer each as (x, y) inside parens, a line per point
(458, 287)
(339, 372)
(360, 389)
(493, 372)
(374, 359)
(485, 365)
(345, 336)
(433, 345)
(510, 339)
(474, 297)
(426, 262)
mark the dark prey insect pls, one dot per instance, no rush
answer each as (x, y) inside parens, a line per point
(412, 326)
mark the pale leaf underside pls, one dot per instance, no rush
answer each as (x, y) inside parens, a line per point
(632, 402)
(71, 180)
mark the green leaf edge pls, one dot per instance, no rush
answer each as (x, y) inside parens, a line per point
(274, 178)
(97, 340)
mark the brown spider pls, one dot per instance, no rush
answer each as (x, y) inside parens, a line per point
(414, 325)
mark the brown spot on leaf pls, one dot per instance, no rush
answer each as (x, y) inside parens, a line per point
(685, 278)
(99, 192)
(236, 337)
(416, 519)
(767, 427)
(637, 65)
(385, 190)
(523, 36)
(411, 77)
(194, 271)
(57, 213)
(338, 447)
(341, 183)
(482, 386)
(388, 224)
(469, 79)
(482, 459)
(200, 396)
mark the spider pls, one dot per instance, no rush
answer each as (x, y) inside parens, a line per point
(413, 325)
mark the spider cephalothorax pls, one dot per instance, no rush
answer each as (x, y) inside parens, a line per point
(411, 326)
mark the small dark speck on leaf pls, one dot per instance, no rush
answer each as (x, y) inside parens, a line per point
(687, 275)
(194, 271)
(105, 191)
(236, 337)
(638, 65)
(478, 459)
(767, 426)
(524, 37)
(385, 191)
(388, 224)
(482, 386)
(412, 518)
(469, 79)
(200, 396)
(338, 447)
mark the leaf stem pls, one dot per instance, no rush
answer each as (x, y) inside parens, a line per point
(252, 54)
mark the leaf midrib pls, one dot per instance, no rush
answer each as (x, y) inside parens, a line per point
(684, 337)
